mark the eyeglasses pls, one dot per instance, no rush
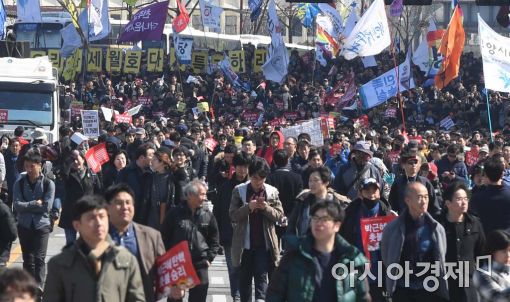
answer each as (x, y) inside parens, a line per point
(462, 199)
(322, 219)
(412, 162)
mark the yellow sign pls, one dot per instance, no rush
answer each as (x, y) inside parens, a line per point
(73, 65)
(237, 61)
(181, 106)
(173, 61)
(155, 60)
(199, 61)
(132, 61)
(37, 53)
(94, 60)
(259, 58)
(56, 59)
(203, 107)
(114, 60)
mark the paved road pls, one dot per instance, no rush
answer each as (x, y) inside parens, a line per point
(219, 290)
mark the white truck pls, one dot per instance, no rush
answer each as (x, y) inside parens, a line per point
(29, 96)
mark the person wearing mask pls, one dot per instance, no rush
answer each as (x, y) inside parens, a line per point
(118, 161)
(254, 210)
(32, 201)
(79, 182)
(136, 176)
(465, 239)
(358, 168)
(368, 205)
(493, 283)
(143, 242)
(160, 190)
(492, 204)
(190, 221)
(318, 182)
(93, 266)
(411, 164)
(304, 273)
(241, 162)
(415, 237)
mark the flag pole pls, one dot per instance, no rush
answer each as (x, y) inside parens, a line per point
(489, 113)
(397, 71)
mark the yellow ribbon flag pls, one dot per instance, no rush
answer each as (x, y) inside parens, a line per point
(181, 106)
(203, 107)
(132, 61)
(155, 60)
(114, 60)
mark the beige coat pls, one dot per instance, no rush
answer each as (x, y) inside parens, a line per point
(239, 214)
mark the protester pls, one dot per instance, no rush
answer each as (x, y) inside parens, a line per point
(93, 266)
(8, 233)
(17, 285)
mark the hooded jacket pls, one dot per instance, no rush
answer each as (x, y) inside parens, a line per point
(266, 152)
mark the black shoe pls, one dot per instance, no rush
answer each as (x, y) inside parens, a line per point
(220, 251)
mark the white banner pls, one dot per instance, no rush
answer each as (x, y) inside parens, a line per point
(211, 14)
(183, 47)
(29, 10)
(380, 89)
(421, 57)
(312, 127)
(369, 61)
(350, 22)
(335, 19)
(275, 68)
(90, 123)
(495, 51)
(371, 34)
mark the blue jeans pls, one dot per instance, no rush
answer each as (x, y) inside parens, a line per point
(70, 236)
(233, 274)
(255, 264)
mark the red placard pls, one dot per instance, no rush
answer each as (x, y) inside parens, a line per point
(4, 116)
(123, 118)
(362, 121)
(250, 117)
(371, 232)
(76, 108)
(175, 268)
(290, 115)
(278, 122)
(210, 143)
(96, 156)
(145, 101)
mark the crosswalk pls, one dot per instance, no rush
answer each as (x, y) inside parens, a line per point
(219, 288)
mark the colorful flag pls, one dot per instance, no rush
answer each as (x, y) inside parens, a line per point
(323, 37)
(495, 50)
(146, 24)
(370, 35)
(3, 18)
(181, 21)
(29, 10)
(306, 12)
(451, 48)
(96, 156)
(336, 27)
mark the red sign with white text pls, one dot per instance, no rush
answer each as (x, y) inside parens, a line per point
(175, 268)
(123, 118)
(97, 156)
(371, 232)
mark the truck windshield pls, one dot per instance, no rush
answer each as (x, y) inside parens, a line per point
(40, 35)
(27, 106)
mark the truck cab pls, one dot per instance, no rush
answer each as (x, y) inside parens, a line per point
(29, 96)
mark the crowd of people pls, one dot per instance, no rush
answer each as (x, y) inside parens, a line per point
(287, 214)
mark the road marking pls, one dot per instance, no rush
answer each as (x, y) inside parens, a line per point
(15, 254)
(59, 235)
(219, 298)
(217, 280)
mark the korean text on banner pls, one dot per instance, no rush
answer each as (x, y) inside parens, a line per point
(90, 121)
(97, 156)
(114, 60)
(211, 14)
(94, 59)
(312, 127)
(371, 232)
(175, 268)
(495, 51)
(132, 61)
(370, 35)
(146, 24)
(123, 118)
(155, 60)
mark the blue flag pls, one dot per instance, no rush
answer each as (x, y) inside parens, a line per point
(3, 18)
(255, 8)
(306, 12)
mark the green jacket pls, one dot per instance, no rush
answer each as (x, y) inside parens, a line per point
(70, 277)
(294, 279)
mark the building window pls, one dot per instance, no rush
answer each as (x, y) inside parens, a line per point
(196, 21)
(231, 25)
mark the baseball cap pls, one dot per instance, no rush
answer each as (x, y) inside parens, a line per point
(367, 182)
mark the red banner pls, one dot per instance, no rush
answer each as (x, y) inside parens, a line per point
(278, 122)
(4, 116)
(290, 115)
(362, 122)
(76, 108)
(97, 156)
(210, 143)
(250, 117)
(371, 232)
(175, 269)
(123, 118)
(180, 22)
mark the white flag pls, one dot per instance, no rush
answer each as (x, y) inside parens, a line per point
(369, 61)
(183, 47)
(275, 68)
(273, 25)
(211, 14)
(421, 56)
(495, 51)
(336, 22)
(29, 10)
(98, 21)
(370, 36)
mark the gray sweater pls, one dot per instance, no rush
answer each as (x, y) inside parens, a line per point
(29, 213)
